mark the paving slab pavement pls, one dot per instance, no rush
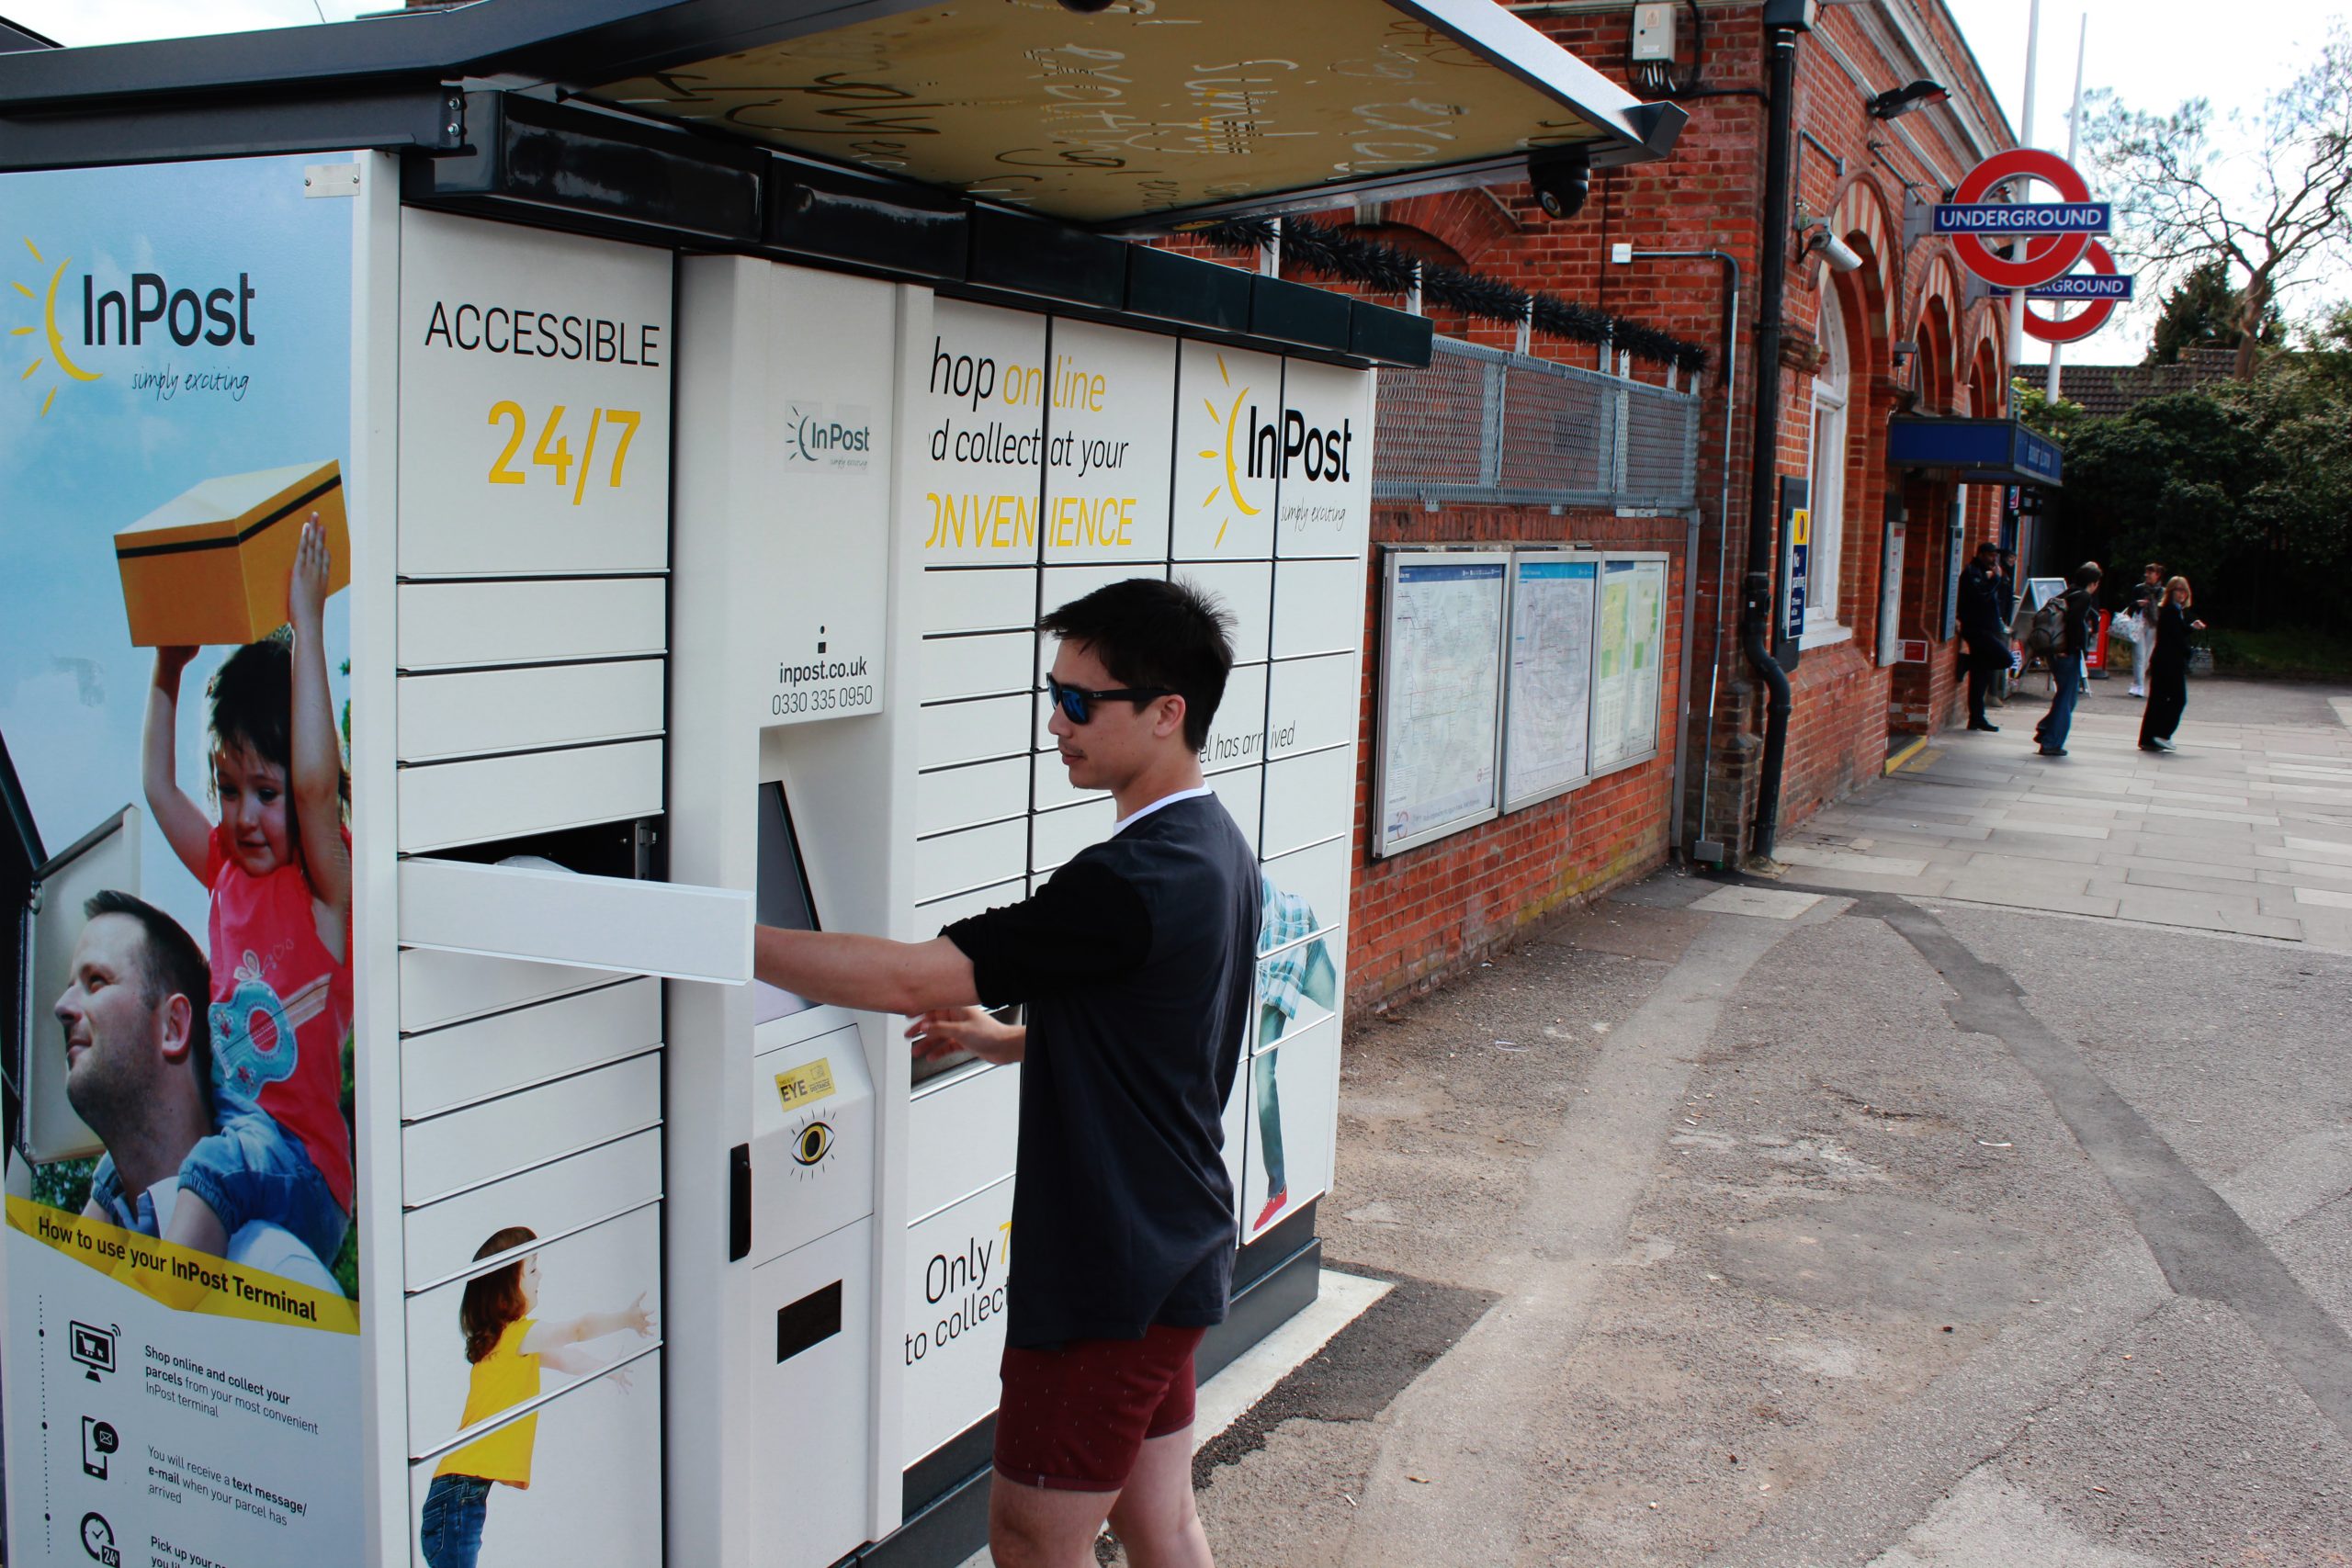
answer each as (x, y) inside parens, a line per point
(2257, 794)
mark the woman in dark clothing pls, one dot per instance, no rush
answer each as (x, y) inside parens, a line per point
(2168, 667)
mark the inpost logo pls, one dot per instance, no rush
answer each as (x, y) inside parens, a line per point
(151, 309)
(1257, 450)
(841, 438)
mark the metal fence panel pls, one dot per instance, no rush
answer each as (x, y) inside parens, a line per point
(1482, 426)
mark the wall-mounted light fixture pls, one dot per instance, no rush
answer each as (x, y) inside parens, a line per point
(1896, 102)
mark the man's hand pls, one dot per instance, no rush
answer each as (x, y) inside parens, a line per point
(943, 1031)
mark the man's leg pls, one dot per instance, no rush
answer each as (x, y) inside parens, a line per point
(1154, 1516)
(1032, 1527)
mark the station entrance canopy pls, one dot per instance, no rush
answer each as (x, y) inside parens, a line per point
(1141, 117)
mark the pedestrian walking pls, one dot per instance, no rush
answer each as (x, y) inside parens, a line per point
(2147, 597)
(2169, 667)
(1984, 631)
(2077, 626)
(1136, 961)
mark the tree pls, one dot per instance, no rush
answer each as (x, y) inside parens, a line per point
(2203, 311)
(2179, 211)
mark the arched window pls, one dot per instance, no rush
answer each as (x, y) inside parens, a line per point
(1832, 385)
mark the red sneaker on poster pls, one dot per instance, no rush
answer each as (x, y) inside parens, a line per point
(1274, 1205)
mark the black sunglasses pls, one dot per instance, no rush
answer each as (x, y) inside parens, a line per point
(1077, 701)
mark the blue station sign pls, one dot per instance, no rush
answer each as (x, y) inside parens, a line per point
(2003, 219)
(2085, 286)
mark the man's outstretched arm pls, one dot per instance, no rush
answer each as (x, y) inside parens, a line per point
(870, 973)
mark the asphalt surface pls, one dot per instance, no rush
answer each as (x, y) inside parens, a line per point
(1906, 1231)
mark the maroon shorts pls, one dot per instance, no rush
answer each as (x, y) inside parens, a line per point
(1074, 1419)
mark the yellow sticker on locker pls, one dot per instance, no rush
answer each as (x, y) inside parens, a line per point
(805, 1084)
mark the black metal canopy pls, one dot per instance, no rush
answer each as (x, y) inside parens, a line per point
(1139, 118)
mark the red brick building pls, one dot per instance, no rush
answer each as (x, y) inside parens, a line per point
(1898, 334)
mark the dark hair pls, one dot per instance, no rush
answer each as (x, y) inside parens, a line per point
(252, 706)
(1987, 548)
(493, 1299)
(2155, 566)
(170, 963)
(1148, 632)
(2085, 574)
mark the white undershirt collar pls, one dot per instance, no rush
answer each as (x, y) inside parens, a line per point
(1127, 821)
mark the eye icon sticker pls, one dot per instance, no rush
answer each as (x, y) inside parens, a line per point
(812, 1144)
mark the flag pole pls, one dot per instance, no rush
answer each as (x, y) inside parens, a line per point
(2074, 145)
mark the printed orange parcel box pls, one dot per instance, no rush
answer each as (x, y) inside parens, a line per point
(210, 567)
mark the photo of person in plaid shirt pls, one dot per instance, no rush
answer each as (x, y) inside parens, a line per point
(1286, 983)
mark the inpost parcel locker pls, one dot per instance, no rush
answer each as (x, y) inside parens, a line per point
(641, 529)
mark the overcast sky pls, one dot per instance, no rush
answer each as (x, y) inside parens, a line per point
(2155, 53)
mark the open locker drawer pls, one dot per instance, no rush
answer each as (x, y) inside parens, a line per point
(629, 927)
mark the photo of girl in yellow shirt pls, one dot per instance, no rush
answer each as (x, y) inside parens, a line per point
(506, 1347)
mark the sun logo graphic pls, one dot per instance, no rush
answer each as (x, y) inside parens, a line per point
(1230, 497)
(44, 298)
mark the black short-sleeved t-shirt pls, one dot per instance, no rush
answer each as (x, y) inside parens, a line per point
(1135, 960)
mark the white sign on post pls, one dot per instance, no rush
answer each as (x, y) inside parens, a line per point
(534, 401)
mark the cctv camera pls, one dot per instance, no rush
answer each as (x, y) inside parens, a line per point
(1563, 178)
(1840, 255)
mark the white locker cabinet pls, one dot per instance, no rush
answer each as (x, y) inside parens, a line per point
(467, 436)
(962, 1133)
(444, 804)
(977, 599)
(974, 858)
(1319, 874)
(1238, 733)
(1326, 492)
(473, 713)
(953, 1312)
(993, 665)
(1106, 484)
(948, 733)
(1319, 607)
(812, 1142)
(448, 625)
(556, 1200)
(505, 1137)
(595, 1499)
(1309, 799)
(971, 796)
(1223, 498)
(604, 1268)
(447, 987)
(1312, 703)
(810, 1370)
(1305, 1072)
(445, 1068)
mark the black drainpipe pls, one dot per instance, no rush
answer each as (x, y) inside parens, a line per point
(1783, 21)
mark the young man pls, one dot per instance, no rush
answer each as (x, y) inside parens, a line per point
(1134, 961)
(2066, 669)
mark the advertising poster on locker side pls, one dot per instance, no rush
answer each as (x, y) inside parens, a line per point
(182, 1350)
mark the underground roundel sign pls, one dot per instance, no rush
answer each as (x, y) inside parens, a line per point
(2071, 329)
(2041, 258)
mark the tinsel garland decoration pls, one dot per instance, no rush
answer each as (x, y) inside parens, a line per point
(1386, 269)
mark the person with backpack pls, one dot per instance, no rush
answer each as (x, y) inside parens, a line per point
(2063, 630)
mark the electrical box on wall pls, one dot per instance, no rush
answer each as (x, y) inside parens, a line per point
(1652, 32)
